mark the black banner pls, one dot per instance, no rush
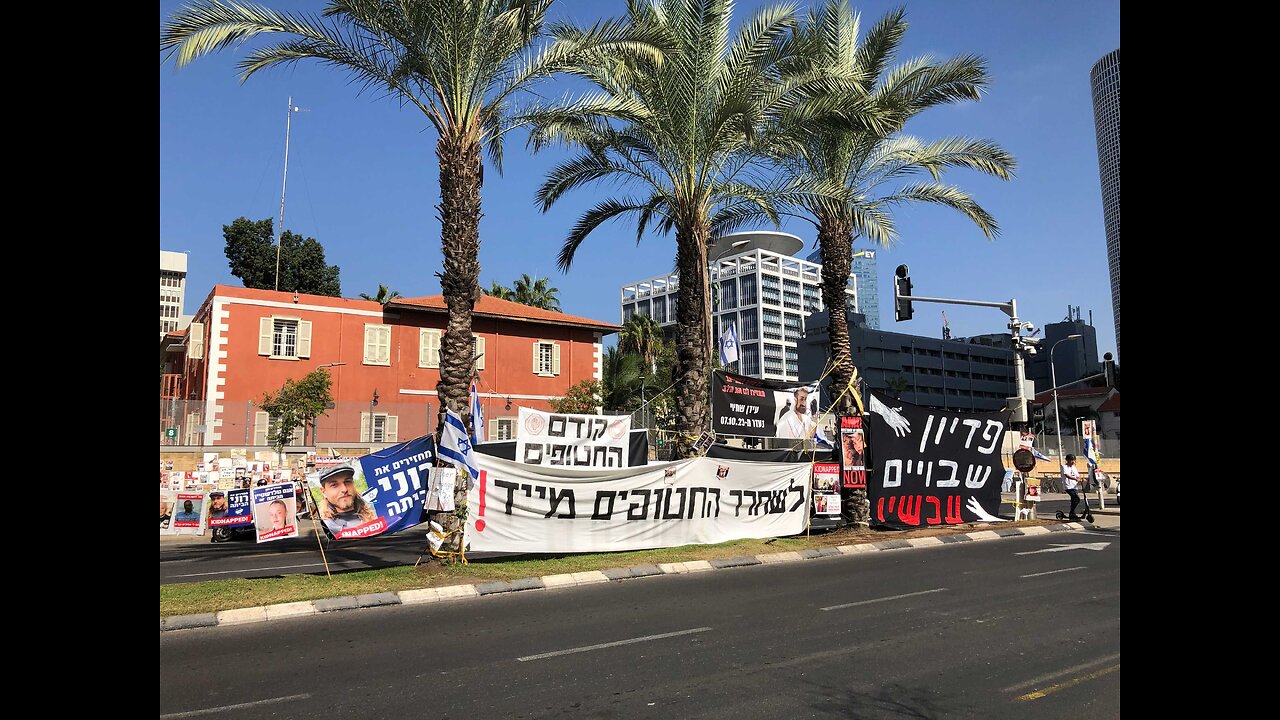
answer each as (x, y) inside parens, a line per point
(752, 407)
(934, 467)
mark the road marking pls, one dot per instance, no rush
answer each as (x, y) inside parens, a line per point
(1080, 567)
(1070, 683)
(1059, 673)
(601, 646)
(237, 706)
(279, 567)
(1061, 547)
(884, 599)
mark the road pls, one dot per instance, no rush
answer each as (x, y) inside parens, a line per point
(1015, 628)
(196, 559)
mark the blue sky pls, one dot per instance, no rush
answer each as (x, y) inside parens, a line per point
(363, 176)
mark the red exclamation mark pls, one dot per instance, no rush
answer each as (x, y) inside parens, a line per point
(484, 488)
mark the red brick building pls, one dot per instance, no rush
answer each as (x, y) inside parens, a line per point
(384, 361)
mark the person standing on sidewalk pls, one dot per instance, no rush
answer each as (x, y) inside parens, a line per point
(1071, 483)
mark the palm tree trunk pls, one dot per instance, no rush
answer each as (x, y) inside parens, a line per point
(693, 316)
(835, 242)
(459, 213)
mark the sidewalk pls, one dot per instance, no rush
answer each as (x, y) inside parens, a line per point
(1108, 519)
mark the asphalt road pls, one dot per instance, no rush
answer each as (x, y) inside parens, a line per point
(1014, 628)
(197, 559)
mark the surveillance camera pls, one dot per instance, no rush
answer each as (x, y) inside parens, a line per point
(1031, 350)
(1028, 326)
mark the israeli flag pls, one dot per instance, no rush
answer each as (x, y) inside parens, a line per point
(1091, 452)
(455, 446)
(477, 416)
(729, 345)
(1039, 455)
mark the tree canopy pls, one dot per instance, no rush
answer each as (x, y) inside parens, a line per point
(251, 253)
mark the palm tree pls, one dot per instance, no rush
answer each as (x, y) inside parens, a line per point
(528, 291)
(856, 154)
(384, 296)
(685, 138)
(621, 371)
(643, 336)
(500, 291)
(461, 63)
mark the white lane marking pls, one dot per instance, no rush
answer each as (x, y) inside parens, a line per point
(601, 646)
(278, 567)
(883, 599)
(1080, 567)
(1059, 673)
(237, 706)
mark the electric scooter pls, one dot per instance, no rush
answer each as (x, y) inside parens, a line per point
(1087, 515)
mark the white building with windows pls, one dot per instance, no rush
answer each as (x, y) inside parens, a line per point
(757, 284)
(173, 289)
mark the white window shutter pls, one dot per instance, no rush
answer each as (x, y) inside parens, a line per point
(195, 341)
(261, 421)
(429, 348)
(493, 429)
(304, 338)
(265, 330)
(479, 350)
(364, 427)
(370, 349)
(392, 432)
(555, 358)
(537, 345)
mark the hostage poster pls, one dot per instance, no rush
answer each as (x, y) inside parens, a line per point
(529, 508)
(230, 508)
(188, 513)
(564, 439)
(853, 453)
(751, 407)
(934, 467)
(275, 508)
(377, 494)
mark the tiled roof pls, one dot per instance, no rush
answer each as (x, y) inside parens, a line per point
(491, 306)
(1111, 405)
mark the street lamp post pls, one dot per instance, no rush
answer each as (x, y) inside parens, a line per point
(1053, 378)
(373, 403)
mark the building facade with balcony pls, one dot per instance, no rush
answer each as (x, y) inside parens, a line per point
(173, 289)
(384, 362)
(759, 286)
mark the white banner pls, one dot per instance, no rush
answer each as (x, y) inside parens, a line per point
(528, 508)
(561, 439)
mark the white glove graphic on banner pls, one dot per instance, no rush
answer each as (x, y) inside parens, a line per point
(900, 426)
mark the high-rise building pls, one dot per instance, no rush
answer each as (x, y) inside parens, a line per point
(173, 287)
(1105, 79)
(864, 269)
(757, 284)
(1075, 359)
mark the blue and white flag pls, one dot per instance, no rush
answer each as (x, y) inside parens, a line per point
(1039, 455)
(1090, 445)
(729, 345)
(455, 446)
(477, 416)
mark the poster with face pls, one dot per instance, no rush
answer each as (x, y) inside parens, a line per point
(751, 407)
(853, 453)
(189, 513)
(168, 499)
(274, 509)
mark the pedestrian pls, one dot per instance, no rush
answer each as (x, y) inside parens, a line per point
(1071, 483)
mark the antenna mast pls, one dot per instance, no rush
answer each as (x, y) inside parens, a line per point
(284, 184)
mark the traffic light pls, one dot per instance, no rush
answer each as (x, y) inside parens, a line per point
(902, 287)
(1109, 370)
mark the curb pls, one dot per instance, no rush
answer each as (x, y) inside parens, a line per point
(423, 596)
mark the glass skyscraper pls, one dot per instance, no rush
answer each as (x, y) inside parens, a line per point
(1105, 79)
